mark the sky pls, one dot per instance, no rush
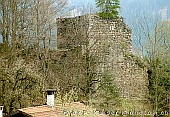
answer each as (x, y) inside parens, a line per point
(133, 9)
(81, 2)
(130, 7)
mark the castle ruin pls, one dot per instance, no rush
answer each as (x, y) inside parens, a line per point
(109, 40)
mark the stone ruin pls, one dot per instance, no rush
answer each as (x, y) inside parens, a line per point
(109, 40)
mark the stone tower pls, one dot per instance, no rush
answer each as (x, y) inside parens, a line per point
(109, 40)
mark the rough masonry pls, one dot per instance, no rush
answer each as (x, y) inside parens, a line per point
(109, 40)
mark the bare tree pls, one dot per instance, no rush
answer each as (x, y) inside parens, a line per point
(151, 39)
(28, 34)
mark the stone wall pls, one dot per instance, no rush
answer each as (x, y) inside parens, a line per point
(72, 32)
(109, 41)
